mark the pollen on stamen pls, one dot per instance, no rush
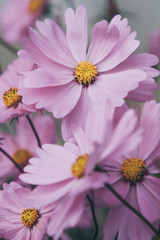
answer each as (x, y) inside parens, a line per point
(35, 5)
(11, 98)
(79, 167)
(29, 217)
(85, 73)
(133, 169)
(21, 156)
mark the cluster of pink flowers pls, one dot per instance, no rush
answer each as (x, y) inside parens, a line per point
(105, 142)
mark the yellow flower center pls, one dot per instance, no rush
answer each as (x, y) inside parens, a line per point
(78, 168)
(35, 5)
(29, 217)
(11, 98)
(22, 156)
(133, 169)
(85, 73)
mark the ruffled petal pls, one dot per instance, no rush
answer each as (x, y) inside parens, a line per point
(77, 32)
(103, 41)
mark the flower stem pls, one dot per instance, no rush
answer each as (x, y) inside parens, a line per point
(112, 9)
(133, 209)
(34, 131)
(10, 158)
(8, 46)
(94, 217)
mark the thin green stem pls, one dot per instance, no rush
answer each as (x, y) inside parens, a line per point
(34, 131)
(94, 217)
(8, 47)
(11, 159)
(133, 210)
(112, 9)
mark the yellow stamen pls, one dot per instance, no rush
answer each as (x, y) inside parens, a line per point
(85, 73)
(29, 217)
(79, 167)
(133, 169)
(11, 98)
(22, 156)
(35, 5)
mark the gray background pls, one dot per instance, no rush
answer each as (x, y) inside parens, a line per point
(143, 16)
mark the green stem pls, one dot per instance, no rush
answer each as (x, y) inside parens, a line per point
(34, 131)
(11, 159)
(94, 217)
(8, 47)
(133, 209)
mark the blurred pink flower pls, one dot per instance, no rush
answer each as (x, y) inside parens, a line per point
(20, 218)
(154, 42)
(69, 80)
(11, 103)
(22, 146)
(17, 16)
(132, 176)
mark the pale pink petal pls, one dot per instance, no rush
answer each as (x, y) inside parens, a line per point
(37, 56)
(72, 208)
(144, 92)
(124, 48)
(52, 31)
(147, 198)
(121, 146)
(77, 116)
(53, 52)
(40, 78)
(77, 32)
(104, 198)
(53, 192)
(103, 41)
(24, 233)
(129, 79)
(60, 100)
(150, 132)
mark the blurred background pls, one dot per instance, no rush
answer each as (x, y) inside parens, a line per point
(143, 17)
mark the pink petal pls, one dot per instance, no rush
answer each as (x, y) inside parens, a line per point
(41, 78)
(120, 53)
(148, 201)
(129, 79)
(105, 198)
(52, 31)
(77, 32)
(77, 116)
(103, 41)
(24, 233)
(53, 52)
(144, 92)
(64, 99)
(151, 134)
(72, 211)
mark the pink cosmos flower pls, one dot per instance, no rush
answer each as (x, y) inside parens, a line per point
(20, 218)
(11, 103)
(22, 146)
(154, 42)
(71, 79)
(17, 16)
(76, 167)
(132, 175)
